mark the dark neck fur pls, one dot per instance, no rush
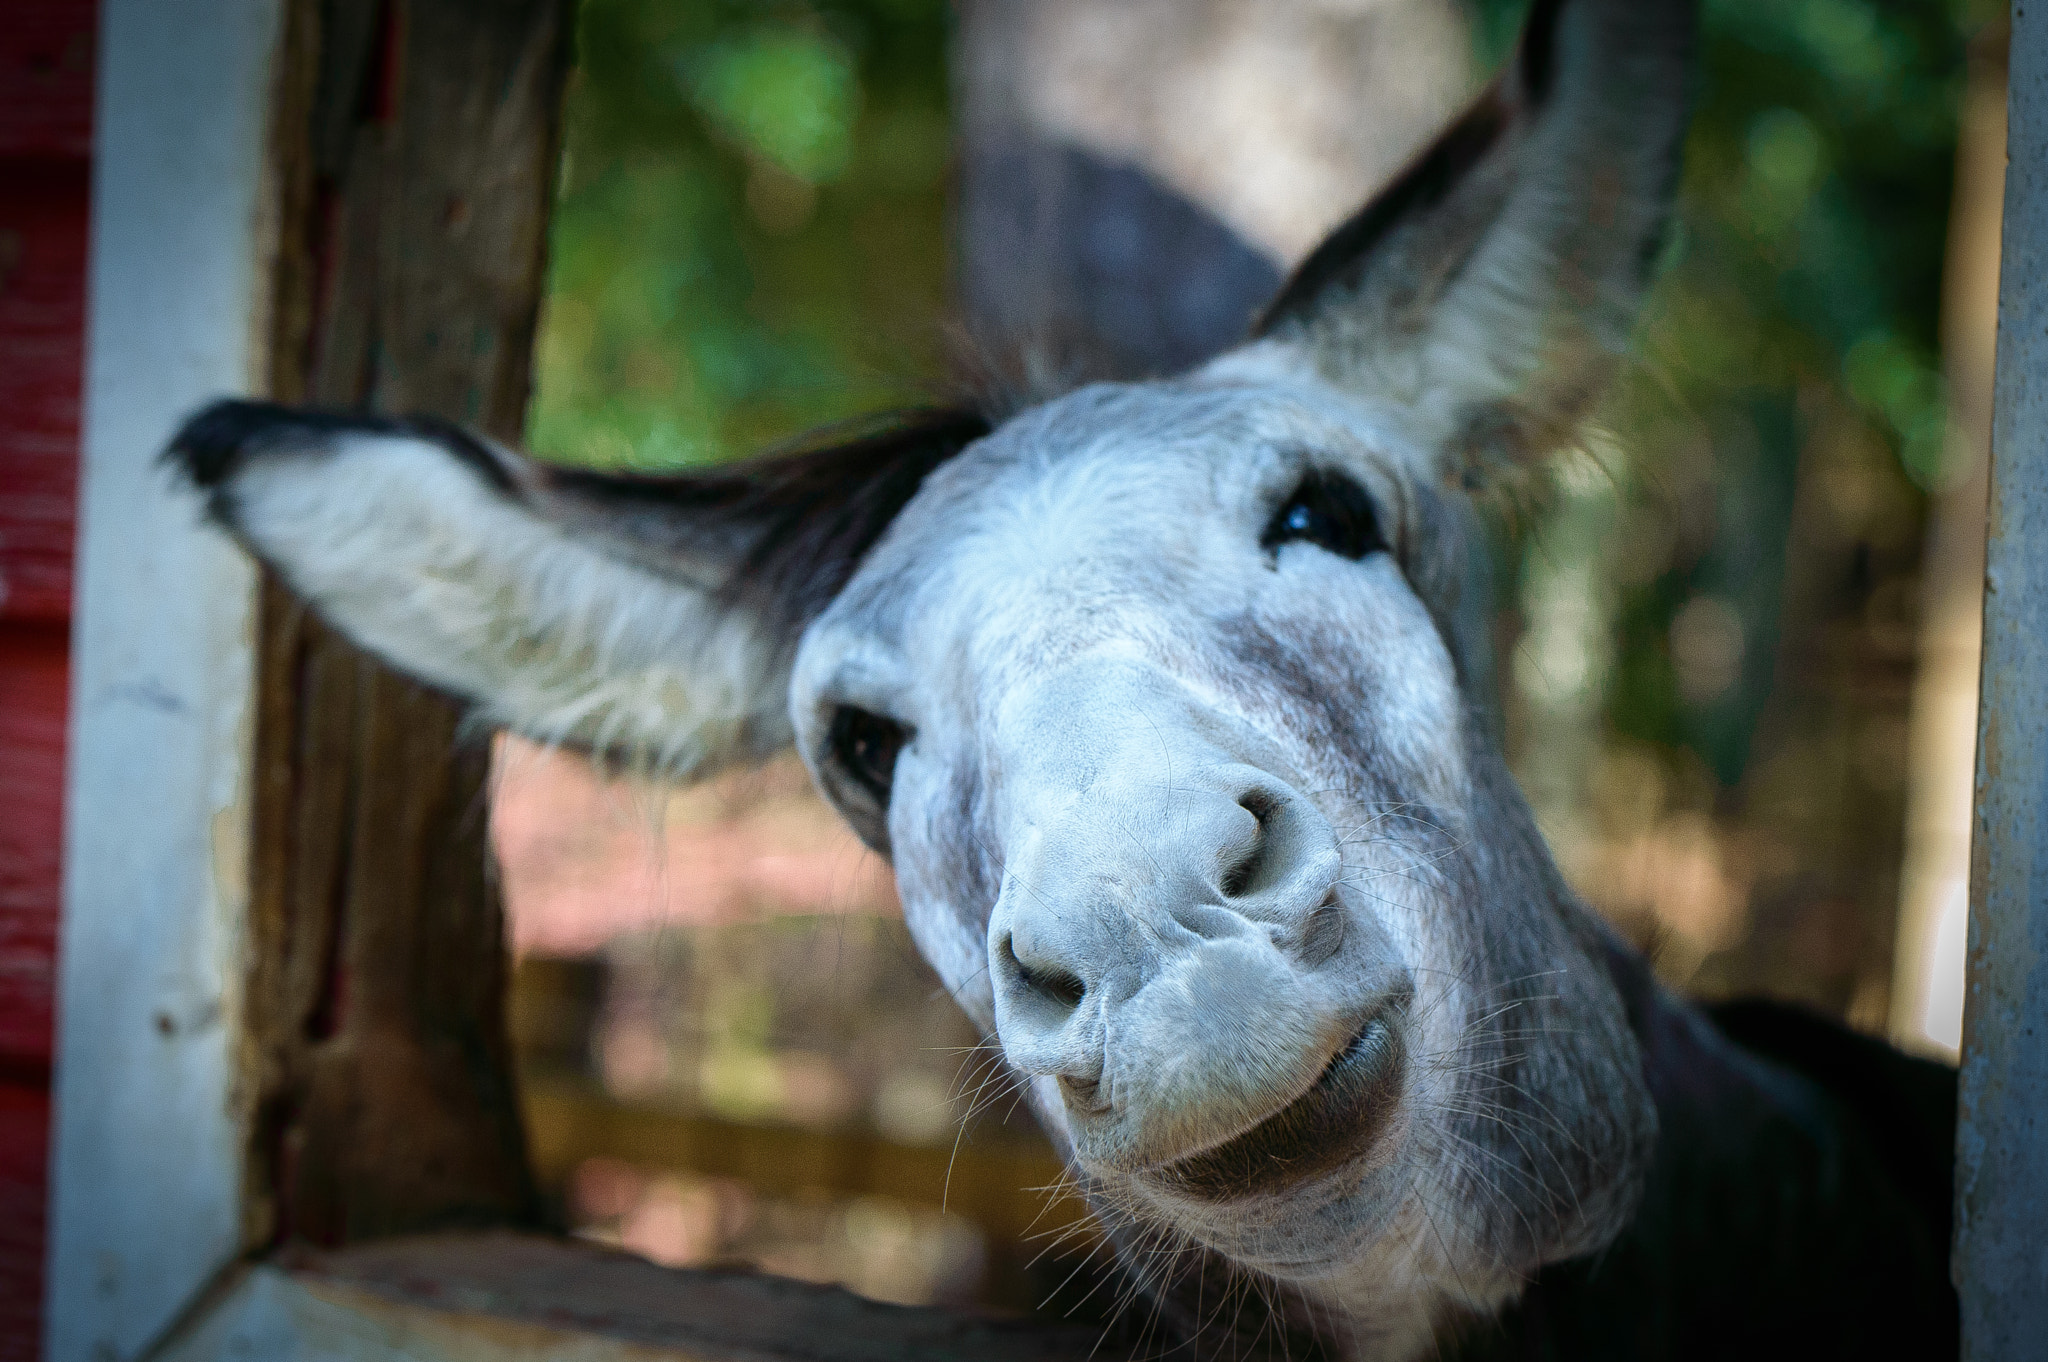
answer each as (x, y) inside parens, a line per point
(1796, 1208)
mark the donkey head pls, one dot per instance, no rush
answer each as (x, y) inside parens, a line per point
(1155, 694)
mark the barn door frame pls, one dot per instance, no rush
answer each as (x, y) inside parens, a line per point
(146, 1151)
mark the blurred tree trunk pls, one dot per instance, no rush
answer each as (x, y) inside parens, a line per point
(1136, 174)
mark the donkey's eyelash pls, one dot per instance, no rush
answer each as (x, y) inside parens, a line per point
(866, 746)
(1330, 510)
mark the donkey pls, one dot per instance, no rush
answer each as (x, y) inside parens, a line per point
(1167, 702)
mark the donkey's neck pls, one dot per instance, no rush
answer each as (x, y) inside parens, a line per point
(1796, 1207)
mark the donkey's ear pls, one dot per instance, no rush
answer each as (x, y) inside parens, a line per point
(649, 619)
(1489, 290)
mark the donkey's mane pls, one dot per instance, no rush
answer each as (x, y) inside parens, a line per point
(813, 508)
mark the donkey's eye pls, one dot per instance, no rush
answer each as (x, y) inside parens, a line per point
(866, 746)
(1328, 510)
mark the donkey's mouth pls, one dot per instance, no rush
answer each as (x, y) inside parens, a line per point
(1328, 1126)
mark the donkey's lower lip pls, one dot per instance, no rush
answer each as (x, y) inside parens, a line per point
(1328, 1126)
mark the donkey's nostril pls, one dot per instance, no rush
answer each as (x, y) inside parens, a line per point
(1084, 1093)
(1041, 978)
(1238, 879)
(1056, 984)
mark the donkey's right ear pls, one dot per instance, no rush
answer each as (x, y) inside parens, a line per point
(1487, 293)
(651, 620)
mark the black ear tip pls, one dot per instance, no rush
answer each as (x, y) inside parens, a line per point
(211, 443)
(1663, 31)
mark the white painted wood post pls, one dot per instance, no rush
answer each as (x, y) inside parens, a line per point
(146, 1189)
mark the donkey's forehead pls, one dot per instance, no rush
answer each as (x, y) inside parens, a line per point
(1129, 437)
(1110, 475)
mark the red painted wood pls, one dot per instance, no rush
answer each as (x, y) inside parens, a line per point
(42, 318)
(46, 94)
(24, 1150)
(32, 688)
(46, 61)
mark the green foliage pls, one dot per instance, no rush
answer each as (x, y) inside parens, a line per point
(788, 96)
(1802, 299)
(750, 237)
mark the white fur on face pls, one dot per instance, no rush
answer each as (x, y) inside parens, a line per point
(415, 556)
(1081, 606)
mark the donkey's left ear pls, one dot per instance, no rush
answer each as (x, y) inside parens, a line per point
(651, 620)
(1489, 291)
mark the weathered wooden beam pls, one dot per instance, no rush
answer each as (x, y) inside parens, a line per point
(416, 146)
(2001, 1252)
(515, 1298)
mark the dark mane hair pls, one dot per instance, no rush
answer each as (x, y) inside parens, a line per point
(808, 512)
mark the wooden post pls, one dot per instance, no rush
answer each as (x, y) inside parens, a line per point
(416, 143)
(2001, 1251)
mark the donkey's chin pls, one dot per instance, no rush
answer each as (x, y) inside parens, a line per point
(1350, 1110)
(1310, 1187)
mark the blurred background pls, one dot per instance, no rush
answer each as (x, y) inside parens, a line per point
(1737, 633)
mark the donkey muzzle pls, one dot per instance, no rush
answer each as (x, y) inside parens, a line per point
(1170, 946)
